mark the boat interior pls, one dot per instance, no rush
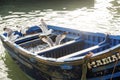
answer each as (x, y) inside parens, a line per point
(75, 44)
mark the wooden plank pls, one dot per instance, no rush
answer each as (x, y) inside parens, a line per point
(80, 52)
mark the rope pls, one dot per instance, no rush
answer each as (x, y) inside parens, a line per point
(114, 69)
(84, 66)
(84, 70)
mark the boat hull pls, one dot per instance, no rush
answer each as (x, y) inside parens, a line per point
(105, 66)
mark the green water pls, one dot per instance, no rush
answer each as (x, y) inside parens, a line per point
(13, 71)
(88, 15)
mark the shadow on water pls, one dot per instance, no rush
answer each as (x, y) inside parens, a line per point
(14, 72)
(31, 5)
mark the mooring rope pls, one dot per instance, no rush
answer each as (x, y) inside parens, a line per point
(84, 66)
(114, 69)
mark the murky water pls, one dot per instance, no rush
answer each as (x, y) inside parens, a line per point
(88, 15)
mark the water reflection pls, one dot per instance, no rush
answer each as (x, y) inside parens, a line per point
(13, 71)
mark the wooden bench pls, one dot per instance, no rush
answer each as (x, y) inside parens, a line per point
(63, 49)
(82, 51)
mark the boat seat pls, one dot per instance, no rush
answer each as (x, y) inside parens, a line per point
(62, 50)
(82, 52)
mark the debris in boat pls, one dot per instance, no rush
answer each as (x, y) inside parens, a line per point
(44, 28)
(50, 42)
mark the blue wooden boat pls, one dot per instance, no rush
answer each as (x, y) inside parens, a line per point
(79, 56)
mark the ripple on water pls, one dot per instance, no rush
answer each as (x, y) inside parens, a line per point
(3, 69)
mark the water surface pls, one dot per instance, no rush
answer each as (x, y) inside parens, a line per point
(88, 15)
